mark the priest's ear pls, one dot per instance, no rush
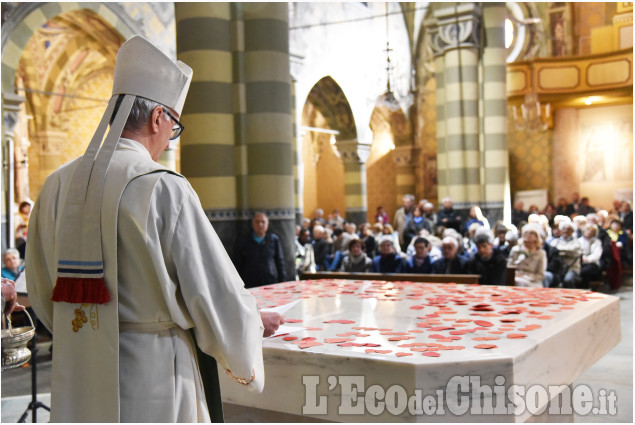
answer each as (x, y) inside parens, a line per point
(155, 119)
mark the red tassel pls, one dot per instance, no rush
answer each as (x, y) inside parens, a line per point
(81, 290)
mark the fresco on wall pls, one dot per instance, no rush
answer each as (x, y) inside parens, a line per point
(607, 151)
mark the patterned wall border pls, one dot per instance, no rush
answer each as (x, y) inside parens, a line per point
(527, 70)
(26, 18)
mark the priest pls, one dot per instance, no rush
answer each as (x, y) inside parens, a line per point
(127, 272)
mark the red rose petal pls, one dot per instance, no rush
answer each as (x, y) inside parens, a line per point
(403, 354)
(431, 354)
(290, 338)
(337, 340)
(485, 346)
(309, 344)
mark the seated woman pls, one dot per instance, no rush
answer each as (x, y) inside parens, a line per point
(622, 241)
(12, 264)
(475, 216)
(388, 260)
(529, 259)
(591, 255)
(356, 260)
(387, 230)
(420, 261)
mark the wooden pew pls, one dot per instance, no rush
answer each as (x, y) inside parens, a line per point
(429, 278)
(392, 277)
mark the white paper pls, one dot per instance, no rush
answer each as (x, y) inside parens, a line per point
(286, 329)
(282, 309)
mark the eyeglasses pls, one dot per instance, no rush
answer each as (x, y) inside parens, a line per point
(177, 129)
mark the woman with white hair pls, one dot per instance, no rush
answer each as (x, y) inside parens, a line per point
(529, 259)
(591, 255)
(570, 252)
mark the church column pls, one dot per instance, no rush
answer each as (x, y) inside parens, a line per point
(268, 148)
(494, 112)
(298, 168)
(454, 38)
(204, 41)
(10, 109)
(354, 155)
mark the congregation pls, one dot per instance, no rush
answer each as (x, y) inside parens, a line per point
(572, 245)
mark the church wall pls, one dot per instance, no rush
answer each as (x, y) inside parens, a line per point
(426, 139)
(381, 175)
(530, 161)
(329, 180)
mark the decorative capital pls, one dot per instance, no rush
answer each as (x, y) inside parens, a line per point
(10, 109)
(406, 155)
(353, 151)
(454, 27)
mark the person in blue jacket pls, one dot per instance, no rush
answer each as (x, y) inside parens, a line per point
(419, 262)
(388, 261)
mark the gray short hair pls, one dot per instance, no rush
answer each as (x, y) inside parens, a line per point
(450, 239)
(139, 114)
(11, 251)
(482, 237)
(387, 238)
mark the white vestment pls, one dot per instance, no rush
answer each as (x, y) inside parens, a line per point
(171, 274)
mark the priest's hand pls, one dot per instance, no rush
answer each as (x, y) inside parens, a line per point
(271, 321)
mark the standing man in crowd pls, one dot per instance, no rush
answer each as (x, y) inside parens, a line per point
(519, 215)
(261, 261)
(447, 217)
(402, 216)
(127, 272)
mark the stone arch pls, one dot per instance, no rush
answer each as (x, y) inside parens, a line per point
(64, 73)
(328, 113)
(26, 18)
(392, 137)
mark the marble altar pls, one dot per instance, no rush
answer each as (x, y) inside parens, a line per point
(376, 351)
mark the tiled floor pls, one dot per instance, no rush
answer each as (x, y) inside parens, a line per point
(614, 372)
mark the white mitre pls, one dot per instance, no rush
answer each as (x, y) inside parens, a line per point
(141, 70)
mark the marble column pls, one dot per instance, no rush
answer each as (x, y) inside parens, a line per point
(10, 109)
(298, 168)
(468, 44)
(494, 151)
(268, 146)
(237, 148)
(205, 40)
(354, 155)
